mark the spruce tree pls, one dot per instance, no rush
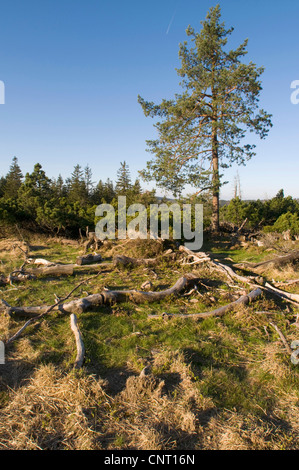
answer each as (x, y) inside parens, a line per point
(13, 180)
(202, 129)
(123, 183)
(77, 191)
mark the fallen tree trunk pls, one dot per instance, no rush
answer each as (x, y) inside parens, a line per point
(253, 282)
(79, 342)
(56, 270)
(12, 279)
(278, 261)
(141, 296)
(218, 312)
(199, 257)
(281, 293)
(122, 260)
(203, 257)
(8, 309)
(286, 283)
(104, 298)
(88, 259)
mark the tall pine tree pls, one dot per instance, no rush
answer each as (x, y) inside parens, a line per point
(201, 130)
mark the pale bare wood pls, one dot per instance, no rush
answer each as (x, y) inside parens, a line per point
(285, 283)
(41, 261)
(56, 270)
(122, 260)
(79, 342)
(291, 298)
(288, 295)
(278, 261)
(245, 299)
(88, 259)
(44, 312)
(106, 297)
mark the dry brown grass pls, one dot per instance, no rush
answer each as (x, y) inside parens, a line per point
(159, 411)
(53, 407)
(53, 410)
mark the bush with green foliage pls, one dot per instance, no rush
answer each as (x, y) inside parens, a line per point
(284, 223)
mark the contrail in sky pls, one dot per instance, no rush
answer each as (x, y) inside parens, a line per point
(170, 23)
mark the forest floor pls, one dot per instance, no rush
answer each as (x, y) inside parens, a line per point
(215, 383)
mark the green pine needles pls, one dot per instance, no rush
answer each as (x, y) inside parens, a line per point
(203, 129)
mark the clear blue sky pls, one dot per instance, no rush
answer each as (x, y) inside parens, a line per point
(73, 69)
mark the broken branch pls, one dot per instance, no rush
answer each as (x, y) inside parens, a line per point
(79, 342)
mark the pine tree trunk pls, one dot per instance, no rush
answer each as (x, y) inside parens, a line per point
(215, 184)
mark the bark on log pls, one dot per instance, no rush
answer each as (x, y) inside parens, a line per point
(79, 342)
(141, 296)
(104, 298)
(88, 259)
(245, 299)
(9, 309)
(122, 260)
(12, 279)
(199, 257)
(253, 282)
(56, 270)
(279, 261)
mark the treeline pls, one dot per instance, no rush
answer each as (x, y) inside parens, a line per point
(278, 214)
(56, 205)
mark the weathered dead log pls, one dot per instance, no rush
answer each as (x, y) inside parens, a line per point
(278, 261)
(88, 259)
(122, 260)
(295, 354)
(283, 294)
(77, 306)
(141, 296)
(286, 283)
(245, 299)
(86, 267)
(79, 342)
(68, 241)
(104, 298)
(9, 310)
(253, 282)
(92, 267)
(15, 277)
(242, 225)
(199, 257)
(56, 270)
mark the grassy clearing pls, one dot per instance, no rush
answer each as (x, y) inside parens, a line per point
(221, 383)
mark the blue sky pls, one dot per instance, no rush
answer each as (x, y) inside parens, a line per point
(73, 69)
